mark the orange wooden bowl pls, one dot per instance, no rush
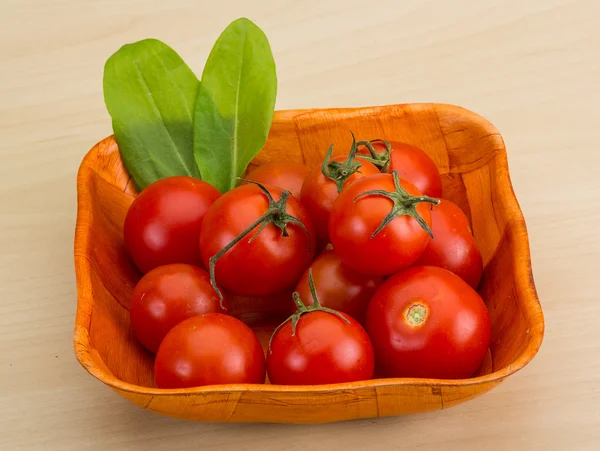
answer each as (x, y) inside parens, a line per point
(471, 157)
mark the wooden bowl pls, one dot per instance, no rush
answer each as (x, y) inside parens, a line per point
(471, 156)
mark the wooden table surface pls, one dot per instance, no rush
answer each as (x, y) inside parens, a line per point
(532, 68)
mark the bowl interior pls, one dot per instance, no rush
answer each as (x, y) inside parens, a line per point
(472, 160)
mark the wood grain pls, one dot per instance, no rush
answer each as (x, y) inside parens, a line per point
(461, 142)
(530, 67)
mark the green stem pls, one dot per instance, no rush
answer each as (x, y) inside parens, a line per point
(212, 261)
(381, 159)
(302, 308)
(313, 290)
(404, 204)
(369, 147)
(276, 214)
(337, 171)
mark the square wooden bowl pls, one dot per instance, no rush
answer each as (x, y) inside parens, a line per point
(471, 156)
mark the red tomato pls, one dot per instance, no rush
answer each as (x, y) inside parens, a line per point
(319, 192)
(163, 222)
(167, 295)
(261, 263)
(283, 174)
(453, 247)
(338, 286)
(412, 164)
(355, 225)
(207, 350)
(427, 322)
(325, 348)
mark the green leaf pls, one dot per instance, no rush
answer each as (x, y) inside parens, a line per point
(150, 94)
(235, 104)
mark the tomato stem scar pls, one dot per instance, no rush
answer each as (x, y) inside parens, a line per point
(416, 314)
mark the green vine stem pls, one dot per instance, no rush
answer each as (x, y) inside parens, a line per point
(276, 214)
(302, 309)
(379, 159)
(338, 171)
(404, 204)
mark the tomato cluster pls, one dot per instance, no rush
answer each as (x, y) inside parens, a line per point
(393, 295)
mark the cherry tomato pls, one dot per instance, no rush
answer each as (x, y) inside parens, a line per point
(453, 247)
(283, 174)
(264, 261)
(167, 295)
(412, 164)
(357, 217)
(338, 286)
(427, 322)
(163, 222)
(320, 346)
(207, 350)
(319, 192)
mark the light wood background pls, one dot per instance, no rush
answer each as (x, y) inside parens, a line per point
(531, 67)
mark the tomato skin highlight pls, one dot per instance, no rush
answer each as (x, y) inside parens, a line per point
(286, 175)
(207, 350)
(269, 263)
(319, 193)
(352, 223)
(338, 286)
(454, 333)
(163, 222)
(453, 247)
(412, 164)
(324, 350)
(167, 295)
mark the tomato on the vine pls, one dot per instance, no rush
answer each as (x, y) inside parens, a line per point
(453, 246)
(286, 175)
(163, 222)
(209, 349)
(167, 295)
(411, 163)
(379, 224)
(324, 183)
(257, 239)
(428, 322)
(338, 286)
(318, 345)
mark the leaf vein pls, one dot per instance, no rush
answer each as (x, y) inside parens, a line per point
(157, 111)
(236, 113)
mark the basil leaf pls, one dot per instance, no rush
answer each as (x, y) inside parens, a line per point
(150, 94)
(235, 104)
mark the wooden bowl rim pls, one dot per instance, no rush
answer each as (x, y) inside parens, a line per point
(523, 276)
